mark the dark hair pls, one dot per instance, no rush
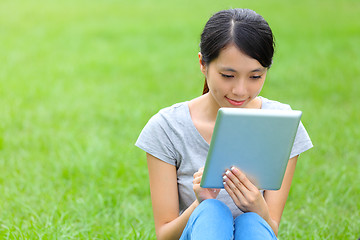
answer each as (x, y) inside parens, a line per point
(245, 28)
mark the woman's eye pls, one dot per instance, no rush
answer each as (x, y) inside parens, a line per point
(226, 76)
(255, 77)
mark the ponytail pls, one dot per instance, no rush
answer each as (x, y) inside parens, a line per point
(206, 87)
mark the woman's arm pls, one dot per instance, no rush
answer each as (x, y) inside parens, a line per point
(276, 199)
(165, 200)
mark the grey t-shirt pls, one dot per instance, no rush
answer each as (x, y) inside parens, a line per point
(171, 136)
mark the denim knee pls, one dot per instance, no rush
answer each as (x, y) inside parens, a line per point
(214, 207)
(212, 219)
(251, 226)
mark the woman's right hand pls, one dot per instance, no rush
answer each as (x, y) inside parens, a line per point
(203, 193)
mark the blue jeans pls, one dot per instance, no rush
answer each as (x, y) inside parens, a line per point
(212, 219)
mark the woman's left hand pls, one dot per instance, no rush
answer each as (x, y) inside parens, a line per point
(203, 193)
(246, 196)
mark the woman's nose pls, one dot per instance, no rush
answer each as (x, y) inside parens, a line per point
(239, 88)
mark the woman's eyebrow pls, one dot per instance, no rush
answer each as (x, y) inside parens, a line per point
(227, 69)
(258, 70)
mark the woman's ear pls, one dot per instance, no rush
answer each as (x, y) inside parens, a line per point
(202, 64)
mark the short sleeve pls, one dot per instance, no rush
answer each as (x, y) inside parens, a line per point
(302, 141)
(154, 139)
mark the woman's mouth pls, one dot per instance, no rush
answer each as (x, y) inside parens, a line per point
(235, 102)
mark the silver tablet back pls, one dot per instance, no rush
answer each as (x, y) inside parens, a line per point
(257, 141)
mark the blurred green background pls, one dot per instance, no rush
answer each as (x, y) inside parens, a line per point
(79, 80)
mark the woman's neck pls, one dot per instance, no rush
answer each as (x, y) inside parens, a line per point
(211, 107)
(205, 107)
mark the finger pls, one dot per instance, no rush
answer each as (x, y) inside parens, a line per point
(235, 180)
(243, 179)
(234, 183)
(237, 188)
(197, 180)
(199, 172)
(233, 192)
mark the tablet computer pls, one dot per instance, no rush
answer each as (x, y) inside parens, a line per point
(257, 141)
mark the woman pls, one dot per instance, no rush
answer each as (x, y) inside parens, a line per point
(236, 52)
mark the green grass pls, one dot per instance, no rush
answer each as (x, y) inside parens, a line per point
(79, 80)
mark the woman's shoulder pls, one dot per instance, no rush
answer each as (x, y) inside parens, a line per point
(273, 104)
(174, 109)
(160, 134)
(170, 116)
(173, 112)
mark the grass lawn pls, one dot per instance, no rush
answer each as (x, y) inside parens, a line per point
(79, 79)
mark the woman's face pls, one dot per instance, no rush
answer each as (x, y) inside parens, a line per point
(234, 79)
